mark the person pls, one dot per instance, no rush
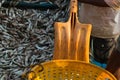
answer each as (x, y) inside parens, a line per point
(104, 15)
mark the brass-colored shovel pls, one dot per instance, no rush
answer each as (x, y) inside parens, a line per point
(72, 37)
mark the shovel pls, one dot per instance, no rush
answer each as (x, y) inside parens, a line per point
(72, 37)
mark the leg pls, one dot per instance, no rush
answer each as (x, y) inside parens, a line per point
(113, 64)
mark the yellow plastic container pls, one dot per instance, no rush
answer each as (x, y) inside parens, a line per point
(69, 70)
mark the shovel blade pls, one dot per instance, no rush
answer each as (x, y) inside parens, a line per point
(72, 44)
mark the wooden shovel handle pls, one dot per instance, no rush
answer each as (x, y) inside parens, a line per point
(72, 37)
(73, 6)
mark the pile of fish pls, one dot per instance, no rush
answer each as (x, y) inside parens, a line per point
(27, 38)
